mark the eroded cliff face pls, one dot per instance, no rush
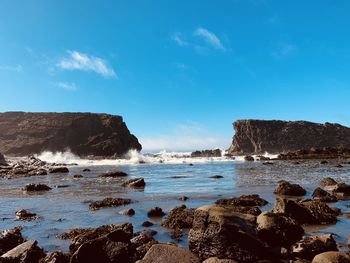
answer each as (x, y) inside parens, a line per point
(84, 134)
(260, 136)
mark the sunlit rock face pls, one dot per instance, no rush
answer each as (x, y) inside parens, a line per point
(84, 134)
(274, 136)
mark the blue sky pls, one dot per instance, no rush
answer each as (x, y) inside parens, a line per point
(179, 72)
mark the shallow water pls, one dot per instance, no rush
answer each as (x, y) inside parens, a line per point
(62, 209)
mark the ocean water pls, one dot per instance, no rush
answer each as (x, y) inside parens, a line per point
(167, 176)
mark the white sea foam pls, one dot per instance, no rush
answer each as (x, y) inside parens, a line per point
(134, 157)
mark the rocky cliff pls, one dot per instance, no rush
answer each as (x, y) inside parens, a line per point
(260, 136)
(84, 134)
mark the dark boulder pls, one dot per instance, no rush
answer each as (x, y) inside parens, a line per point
(86, 170)
(342, 189)
(113, 174)
(218, 231)
(2, 160)
(207, 153)
(310, 246)
(23, 214)
(36, 187)
(183, 198)
(58, 170)
(216, 177)
(27, 252)
(328, 182)
(249, 158)
(135, 182)
(10, 238)
(243, 200)
(77, 176)
(127, 212)
(179, 218)
(278, 229)
(109, 202)
(147, 224)
(155, 212)
(286, 188)
(324, 196)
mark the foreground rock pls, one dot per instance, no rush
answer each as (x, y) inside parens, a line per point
(220, 232)
(161, 253)
(135, 182)
(55, 257)
(10, 238)
(323, 196)
(278, 229)
(306, 211)
(36, 187)
(207, 153)
(286, 188)
(331, 257)
(27, 252)
(180, 217)
(260, 136)
(109, 202)
(309, 247)
(84, 134)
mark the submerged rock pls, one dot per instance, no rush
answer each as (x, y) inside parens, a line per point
(221, 232)
(286, 188)
(155, 212)
(10, 238)
(179, 218)
(127, 212)
(58, 170)
(113, 174)
(310, 246)
(147, 224)
(161, 253)
(135, 182)
(324, 196)
(183, 198)
(109, 202)
(331, 257)
(27, 252)
(36, 187)
(278, 229)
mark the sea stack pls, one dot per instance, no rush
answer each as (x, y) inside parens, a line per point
(275, 136)
(84, 134)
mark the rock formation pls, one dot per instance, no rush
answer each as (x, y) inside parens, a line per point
(83, 134)
(260, 136)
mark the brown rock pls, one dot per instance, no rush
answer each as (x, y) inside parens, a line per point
(58, 170)
(180, 217)
(286, 188)
(323, 196)
(249, 158)
(36, 187)
(77, 176)
(23, 214)
(217, 260)
(207, 153)
(183, 198)
(55, 257)
(243, 200)
(135, 182)
(155, 212)
(109, 202)
(10, 238)
(328, 182)
(127, 212)
(113, 174)
(147, 224)
(331, 257)
(27, 252)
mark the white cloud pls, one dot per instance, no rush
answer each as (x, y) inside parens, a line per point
(209, 37)
(85, 62)
(17, 68)
(186, 137)
(285, 50)
(66, 86)
(179, 39)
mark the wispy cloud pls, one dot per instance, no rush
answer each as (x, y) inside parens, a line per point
(209, 37)
(286, 50)
(17, 68)
(80, 61)
(187, 137)
(66, 86)
(179, 39)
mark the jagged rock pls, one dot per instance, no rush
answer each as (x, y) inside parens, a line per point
(58, 170)
(179, 218)
(23, 214)
(2, 160)
(10, 238)
(219, 231)
(155, 212)
(127, 212)
(114, 174)
(27, 252)
(310, 246)
(306, 211)
(328, 182)
(161, 253)
(217, 260)
(143, 242)
(147, 224)
(286, 188)
(324, 196)
(85, 134)
(249, 158)
(36, 187)
(79, 236)
(109, 202)
(331, 257)
(243, 200)
(136, 182)
(278, 229)
(207, 153)
(113, 247)
(260, 136)
(55, 257)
